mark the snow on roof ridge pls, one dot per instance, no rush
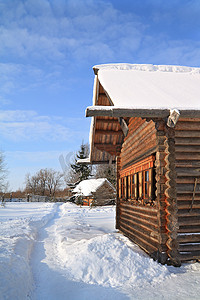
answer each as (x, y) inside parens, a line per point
(146, 67)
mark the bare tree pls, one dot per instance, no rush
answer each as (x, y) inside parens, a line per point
(53, 181)
(3, 174)
(45, 182)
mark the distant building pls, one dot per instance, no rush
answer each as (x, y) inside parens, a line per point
(94, 192)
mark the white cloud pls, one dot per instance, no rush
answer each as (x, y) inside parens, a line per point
(29, 126)
(48, 38)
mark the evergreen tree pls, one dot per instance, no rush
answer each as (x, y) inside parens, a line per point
(106, 171)
(82, 170)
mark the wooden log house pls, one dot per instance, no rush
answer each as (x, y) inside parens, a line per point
(147, 119)
(95, 192)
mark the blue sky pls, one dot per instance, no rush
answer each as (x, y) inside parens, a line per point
(47, 50)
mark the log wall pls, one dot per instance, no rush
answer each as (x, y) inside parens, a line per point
(139, 143)
(138, 222)
(170, 230)
(187, 150)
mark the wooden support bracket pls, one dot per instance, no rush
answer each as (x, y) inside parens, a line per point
(173, 118)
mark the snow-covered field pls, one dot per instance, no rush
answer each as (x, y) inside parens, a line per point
(62, 251)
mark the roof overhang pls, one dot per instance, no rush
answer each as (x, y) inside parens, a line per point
(145, 91)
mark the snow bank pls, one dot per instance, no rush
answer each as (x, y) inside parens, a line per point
(108, 261)
(19, 224)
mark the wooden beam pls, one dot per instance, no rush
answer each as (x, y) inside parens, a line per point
(124, 126)
(112, 149)
(107, 121)
(111, 111)
(108, 132)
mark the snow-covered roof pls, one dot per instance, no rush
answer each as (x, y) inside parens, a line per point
(89, 186)
(151, 86)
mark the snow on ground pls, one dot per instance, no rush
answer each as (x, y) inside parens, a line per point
(52, 251)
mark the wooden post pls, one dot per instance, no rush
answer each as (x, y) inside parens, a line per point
(171, 198)
(118, 166)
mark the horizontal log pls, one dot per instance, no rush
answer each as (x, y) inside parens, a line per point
(187, 148)
(150, 211)
(194, 255)
(184, 197)
(189, 222)
(187, 134)
(139, 215)
(188, 164)
(142, 235)
(188, 206)
(187, 156)
(186, 180)
(187, 188)
(188, 238)
(139, 220)
(188, 126)
(186, 175)
(189, 229)
(186, 213)
(189, 247)
(143, 243)
(139, 228)
(187, 140)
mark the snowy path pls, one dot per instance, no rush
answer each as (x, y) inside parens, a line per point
(52, 279)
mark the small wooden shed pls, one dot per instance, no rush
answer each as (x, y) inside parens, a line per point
(147, 119)
(95, 192)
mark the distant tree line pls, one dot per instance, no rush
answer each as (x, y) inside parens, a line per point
(52, 183)
(45, 182)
